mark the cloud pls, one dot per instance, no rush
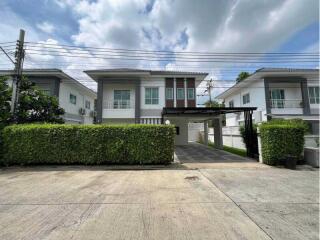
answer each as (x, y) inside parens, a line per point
(46, 27)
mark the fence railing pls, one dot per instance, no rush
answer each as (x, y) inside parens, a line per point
(286, 103)
(118, 104)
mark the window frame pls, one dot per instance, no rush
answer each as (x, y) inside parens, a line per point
(122, 102)
(247, 97)
(171, 95)
(180, 89)
(71, 97)
(188, 91)
(153, 100)
(314, 96)
(229, 103)
(86, 106)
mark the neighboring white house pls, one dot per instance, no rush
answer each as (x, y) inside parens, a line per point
(139, 96)
(76, 99)
(277, 93)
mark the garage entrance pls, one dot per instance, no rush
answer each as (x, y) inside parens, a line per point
(180, 117)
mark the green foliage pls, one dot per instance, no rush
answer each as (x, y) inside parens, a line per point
(5, 97)
(236, 151)
(213, 104)
(245, 137)
(242, 76)
(36, 106)
(281, 138)
(28, 144)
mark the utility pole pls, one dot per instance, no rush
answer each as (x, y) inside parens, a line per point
(19, 56)
(209, 87)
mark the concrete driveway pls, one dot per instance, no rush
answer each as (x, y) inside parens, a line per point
(97, 203)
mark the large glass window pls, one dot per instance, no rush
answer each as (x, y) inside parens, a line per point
(277, 98)
(314, 95)
(180, 93)
(73, 99)
(246, 98)
(152, 96)
(121, 99)
(169, 93)
(190, 93)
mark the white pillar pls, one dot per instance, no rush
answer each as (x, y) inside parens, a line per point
(259, 146)
(174, 93)
(205, 134)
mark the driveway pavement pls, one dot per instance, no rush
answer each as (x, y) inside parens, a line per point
(95, 203)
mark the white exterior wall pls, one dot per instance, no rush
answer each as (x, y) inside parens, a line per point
(257, 99)
(313, 81)
(82, 96)
(156, 82)
(108, 97)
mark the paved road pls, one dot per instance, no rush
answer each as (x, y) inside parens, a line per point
(95, 203)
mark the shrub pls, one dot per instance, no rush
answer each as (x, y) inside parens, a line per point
(280, 139)
(95, 144)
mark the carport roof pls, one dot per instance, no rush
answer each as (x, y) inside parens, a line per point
(204, 110)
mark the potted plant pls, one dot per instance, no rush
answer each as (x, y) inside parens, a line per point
(290, 162)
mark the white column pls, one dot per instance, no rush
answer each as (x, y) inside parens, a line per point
(259, 146)
(174, 92)
(185, 93)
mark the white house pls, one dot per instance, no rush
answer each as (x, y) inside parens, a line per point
(139, 96)
(277, 93)
(76, 99)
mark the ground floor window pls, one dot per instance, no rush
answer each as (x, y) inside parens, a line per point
(190, 93)
(121, 99)
(277, 98)
(73, 99)
(313, 95)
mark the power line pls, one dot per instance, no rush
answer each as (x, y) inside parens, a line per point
(162, 51)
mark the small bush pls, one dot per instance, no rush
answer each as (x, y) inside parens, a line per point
(95, 144)
(280, 139)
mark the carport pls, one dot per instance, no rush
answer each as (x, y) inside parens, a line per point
(180, 117)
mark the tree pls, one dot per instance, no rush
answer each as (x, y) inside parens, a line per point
(5, 97)
(33, 105)
(213, 104)
(242, 76)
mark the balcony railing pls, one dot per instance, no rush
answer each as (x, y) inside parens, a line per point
(286, 103)
(118, 104)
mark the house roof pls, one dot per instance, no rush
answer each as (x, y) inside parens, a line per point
(258, 74)
(49, 72)
(94, 74)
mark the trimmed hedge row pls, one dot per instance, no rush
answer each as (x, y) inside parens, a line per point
(95, 144)
(280, 139)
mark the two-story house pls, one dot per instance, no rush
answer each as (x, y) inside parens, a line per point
(277, 93)
(76, 99)
(139, 96)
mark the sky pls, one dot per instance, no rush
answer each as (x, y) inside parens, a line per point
(218, 26)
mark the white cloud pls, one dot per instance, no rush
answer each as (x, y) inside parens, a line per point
(46, 27)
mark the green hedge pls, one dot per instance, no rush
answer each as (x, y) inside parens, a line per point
(280, 139)
(94, 144)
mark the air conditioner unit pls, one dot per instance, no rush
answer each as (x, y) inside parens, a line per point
(82, 111)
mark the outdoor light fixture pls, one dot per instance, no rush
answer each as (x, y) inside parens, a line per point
(167, 122)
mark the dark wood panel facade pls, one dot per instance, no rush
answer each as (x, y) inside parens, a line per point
(191, 84)
(169, 84)
(180, 84)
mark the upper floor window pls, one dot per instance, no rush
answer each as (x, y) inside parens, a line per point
(152, 96)
(121, 99)
(231, 104)
(46, 91)
(87, 104)
(313, 95)
(246, 98)
(169, 93)
(180, 93)
(73, 99)
(190, 93)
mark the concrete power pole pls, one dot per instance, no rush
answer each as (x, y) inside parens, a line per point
(19, 56)
(209, 87)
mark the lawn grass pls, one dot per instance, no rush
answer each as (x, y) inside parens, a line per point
(237, 151)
